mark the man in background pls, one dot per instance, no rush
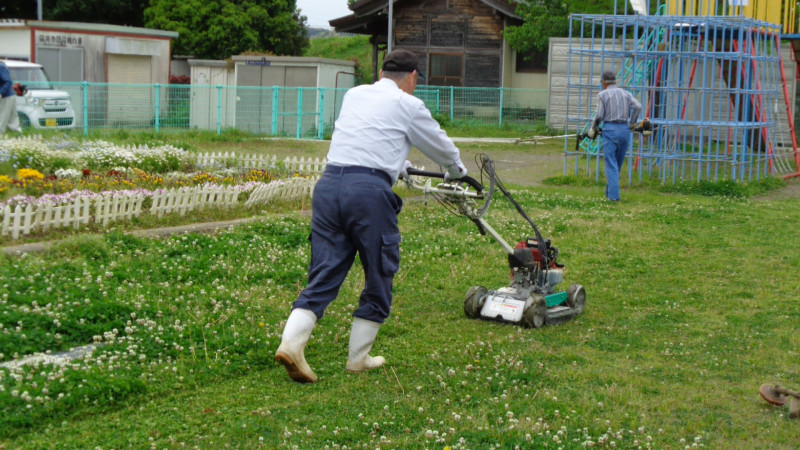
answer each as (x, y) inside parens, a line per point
(619, 111)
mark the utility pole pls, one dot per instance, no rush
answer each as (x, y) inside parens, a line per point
(39, 9)
(391, 18)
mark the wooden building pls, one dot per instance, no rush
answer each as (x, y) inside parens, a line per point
(459, 42)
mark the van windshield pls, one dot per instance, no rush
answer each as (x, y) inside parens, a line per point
(33, 78)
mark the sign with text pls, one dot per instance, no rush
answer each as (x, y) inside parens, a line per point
(257, 62)
(59, 40)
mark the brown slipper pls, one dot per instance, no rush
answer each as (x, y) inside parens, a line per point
(768, 393)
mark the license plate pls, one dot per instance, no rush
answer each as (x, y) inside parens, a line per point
(50, 123)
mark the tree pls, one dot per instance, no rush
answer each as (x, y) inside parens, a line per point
(544, 19)
(116, 12)
(218, 29)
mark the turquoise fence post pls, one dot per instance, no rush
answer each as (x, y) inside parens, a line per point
(321, 113)
(501, 107)
(299, 112)
(85, 86)
(275, 97)
(219, 109)
(451, 104)
(157, 107)
(438, 99)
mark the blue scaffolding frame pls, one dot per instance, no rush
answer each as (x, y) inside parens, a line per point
(712, 86)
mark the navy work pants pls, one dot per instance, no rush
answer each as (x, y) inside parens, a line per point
(354, 211)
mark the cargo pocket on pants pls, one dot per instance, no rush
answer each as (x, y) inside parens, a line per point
(390, 253)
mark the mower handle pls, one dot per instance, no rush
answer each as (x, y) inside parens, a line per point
(466, 179)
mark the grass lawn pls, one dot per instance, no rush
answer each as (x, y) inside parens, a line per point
(691, 306)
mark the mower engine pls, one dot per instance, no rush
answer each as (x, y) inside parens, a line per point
(533, 270)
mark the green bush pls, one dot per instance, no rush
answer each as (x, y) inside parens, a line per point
(444, 120)
(725, 188)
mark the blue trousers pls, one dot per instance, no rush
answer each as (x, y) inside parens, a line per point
(354, 212)
(616, 139)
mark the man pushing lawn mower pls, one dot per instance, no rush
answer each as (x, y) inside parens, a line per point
(355, 210)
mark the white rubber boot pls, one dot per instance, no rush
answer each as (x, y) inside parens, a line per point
(298, 330)
(362, 336)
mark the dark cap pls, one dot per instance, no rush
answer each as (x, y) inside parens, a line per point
(401, 61)
(608, 77)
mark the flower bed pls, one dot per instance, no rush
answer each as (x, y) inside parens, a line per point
(49, 156)
(97, 182)
(29, 186)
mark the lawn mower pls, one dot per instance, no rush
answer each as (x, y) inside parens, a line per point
(530, 299)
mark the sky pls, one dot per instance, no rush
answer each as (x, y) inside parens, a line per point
(319, 12)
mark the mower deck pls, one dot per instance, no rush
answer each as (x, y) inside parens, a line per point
(511, 305)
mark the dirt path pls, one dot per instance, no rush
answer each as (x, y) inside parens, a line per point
(790, 191)
(524, 164)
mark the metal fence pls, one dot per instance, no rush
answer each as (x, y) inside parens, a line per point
(299, 112)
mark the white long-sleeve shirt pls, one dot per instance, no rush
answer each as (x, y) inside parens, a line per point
(379, 123)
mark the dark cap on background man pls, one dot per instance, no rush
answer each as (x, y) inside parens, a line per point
(608, 77)
(401, 61)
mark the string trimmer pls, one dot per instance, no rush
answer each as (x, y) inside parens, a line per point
(531, 298)
(645, 127)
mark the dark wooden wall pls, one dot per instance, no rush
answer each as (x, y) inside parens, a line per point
(466, 27)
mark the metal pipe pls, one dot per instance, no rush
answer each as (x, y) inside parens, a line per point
(496, 236)
(391, 20)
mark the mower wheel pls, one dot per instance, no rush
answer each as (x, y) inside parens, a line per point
(535, 313)
(576, 297)
(473, 303)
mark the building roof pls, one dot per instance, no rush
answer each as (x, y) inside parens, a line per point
(293, 60)
(81, 26)
(371, 16)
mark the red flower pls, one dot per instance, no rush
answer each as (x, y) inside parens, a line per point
(86, 172)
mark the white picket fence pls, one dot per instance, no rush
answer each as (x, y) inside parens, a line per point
(108, 208)
(253, 161)
(291, 189)
(188, 199)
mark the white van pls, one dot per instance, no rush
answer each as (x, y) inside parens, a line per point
(41, 106)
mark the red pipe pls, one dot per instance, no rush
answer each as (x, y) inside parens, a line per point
(789, 111)
(753, 97)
